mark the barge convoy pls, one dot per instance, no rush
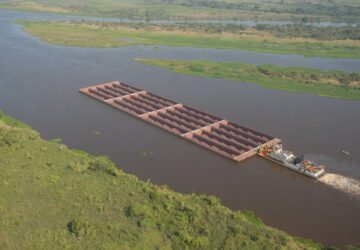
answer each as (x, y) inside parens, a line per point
(221, 136)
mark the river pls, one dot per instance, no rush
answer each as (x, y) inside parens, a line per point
(39, 85)
(251, 23)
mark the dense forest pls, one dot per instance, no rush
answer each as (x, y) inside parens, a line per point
(304, 7)
(309, 31)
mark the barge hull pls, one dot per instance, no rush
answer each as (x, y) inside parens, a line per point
(221, 136)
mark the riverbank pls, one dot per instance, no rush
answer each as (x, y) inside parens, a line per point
(145, 11)
(55, 197)
(105, 35)
(324, 83)
(198, 10)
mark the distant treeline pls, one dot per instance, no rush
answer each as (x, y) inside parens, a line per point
(328, 8)
(328, 33)
(308, 31)
(342, 78)
(294, 10)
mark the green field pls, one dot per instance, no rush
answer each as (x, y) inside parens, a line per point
(324, 83)
(103, 35)
(304, 11)
(53, 197)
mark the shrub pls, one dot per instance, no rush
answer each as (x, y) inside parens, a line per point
(80, 227)
(10, 137)
(250, 216)
(211, 200)
(193, 241)
(12, 122)
(102, 163)
(78, 166)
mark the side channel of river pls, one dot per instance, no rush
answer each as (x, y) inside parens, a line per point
(47, 16)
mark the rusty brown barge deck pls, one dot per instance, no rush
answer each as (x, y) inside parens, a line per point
(218, 135)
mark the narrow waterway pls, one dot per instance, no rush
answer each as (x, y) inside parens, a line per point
(251, 23)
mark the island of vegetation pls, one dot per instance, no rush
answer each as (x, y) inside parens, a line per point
(261, 38)
(325, 83)
(289, 10)
(53, 197)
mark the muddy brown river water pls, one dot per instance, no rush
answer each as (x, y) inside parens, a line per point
(39, 84)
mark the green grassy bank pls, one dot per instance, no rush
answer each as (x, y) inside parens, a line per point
(103, 35)
(325, 83)
(53, 197)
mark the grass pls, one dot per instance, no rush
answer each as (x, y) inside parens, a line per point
(139, 10)
(184, 10)
(53, 197)
(325, 83)
(288, 10)
(102, 35)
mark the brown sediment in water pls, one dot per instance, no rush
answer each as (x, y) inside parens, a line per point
(221, 136)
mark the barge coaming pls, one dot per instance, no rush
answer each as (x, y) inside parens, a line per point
(221, 136)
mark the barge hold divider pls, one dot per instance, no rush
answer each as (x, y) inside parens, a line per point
(124, 96)
(221, 136)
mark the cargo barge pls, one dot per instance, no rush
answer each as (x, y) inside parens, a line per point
(224, 137)
(287, 159)
(219, 135)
